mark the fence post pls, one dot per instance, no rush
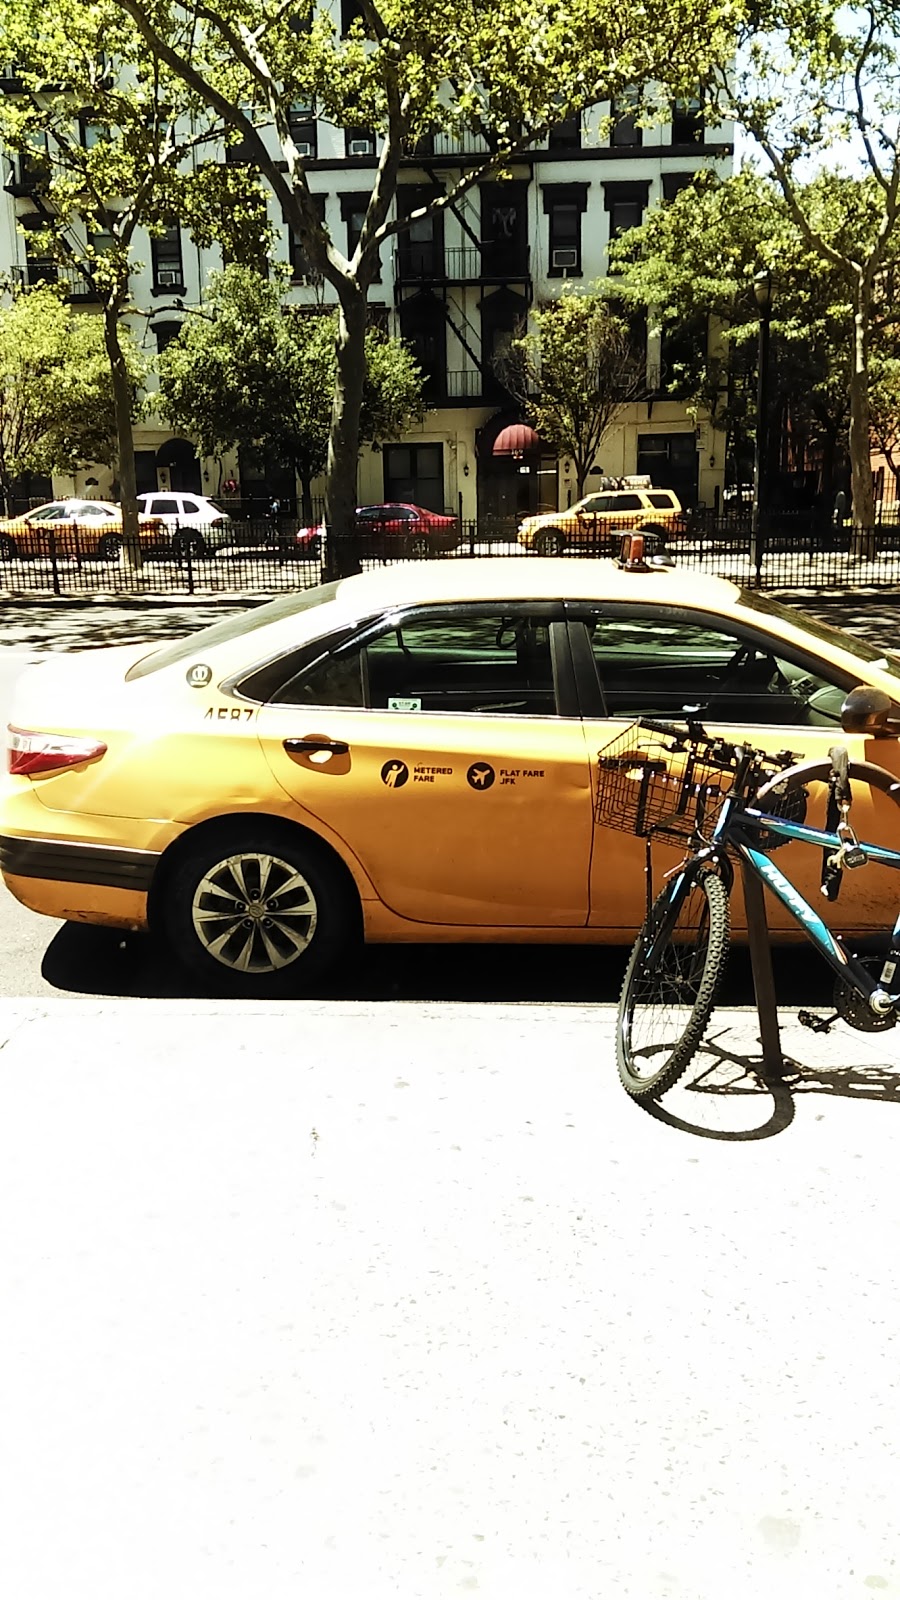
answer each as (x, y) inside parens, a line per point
(53, 566)
(188, 548)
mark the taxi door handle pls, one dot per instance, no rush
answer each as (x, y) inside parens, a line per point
(306, 747)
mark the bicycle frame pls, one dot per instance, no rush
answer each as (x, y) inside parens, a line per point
(729, 830)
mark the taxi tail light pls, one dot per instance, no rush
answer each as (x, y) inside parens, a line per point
(28, 752)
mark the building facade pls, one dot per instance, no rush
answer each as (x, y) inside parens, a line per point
(456, 286)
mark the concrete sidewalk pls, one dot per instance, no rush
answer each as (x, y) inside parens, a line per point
(411, 1300)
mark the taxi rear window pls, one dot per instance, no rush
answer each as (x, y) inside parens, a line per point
(196, 644)
(662, 502)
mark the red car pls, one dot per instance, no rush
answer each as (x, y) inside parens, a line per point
(395, 529)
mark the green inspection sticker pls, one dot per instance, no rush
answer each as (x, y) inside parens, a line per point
(403, 703)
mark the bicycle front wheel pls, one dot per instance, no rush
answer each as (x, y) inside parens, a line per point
(671, 983)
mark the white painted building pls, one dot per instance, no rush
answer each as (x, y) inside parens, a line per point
(455, 286)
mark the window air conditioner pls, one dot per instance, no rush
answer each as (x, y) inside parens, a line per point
(304, 149)
(566, 256)
(360, 147)
(167, 275)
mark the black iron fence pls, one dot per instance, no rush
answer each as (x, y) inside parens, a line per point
(266, 555)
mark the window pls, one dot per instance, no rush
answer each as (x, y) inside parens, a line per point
(625, 203)
(302, 269)
(29, 170)
(168, 271)
(359, 142)
(624, 111)
(565, 205)
(567, 134)
(661, 664)
(92, 133)
(471, 663)
(303, 128)
(682, 350)
(353, 211)
(164, 333)
(414, 474)
(421, 244)
(504, 229)
(424, 328)
(674, 182)
(688, 121)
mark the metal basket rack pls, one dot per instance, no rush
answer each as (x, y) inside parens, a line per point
(645, 786)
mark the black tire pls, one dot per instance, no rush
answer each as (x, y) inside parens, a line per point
(109, 547)
(550, 542)
(188, 544)
(7, 547)
(665, 1005)
(313, 916)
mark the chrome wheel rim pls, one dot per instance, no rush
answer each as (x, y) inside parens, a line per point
(254, 912)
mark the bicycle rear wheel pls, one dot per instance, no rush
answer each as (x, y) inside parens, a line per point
(670, 987)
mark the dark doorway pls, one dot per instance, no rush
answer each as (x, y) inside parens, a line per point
(670, 461)
(184, 468)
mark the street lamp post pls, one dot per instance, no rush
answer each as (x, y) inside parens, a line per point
(762, 289)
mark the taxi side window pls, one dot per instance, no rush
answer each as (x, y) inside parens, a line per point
(663, 665)
(498, 662)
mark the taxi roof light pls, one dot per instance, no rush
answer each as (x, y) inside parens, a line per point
(29, 752)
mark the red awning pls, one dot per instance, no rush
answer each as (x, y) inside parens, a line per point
(516, 439)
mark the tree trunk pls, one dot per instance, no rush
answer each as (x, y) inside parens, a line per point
(306, 505)
(341, 551)
(122, 400)
(863, 539)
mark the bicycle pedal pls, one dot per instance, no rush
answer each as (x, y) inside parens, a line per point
(808, 1019)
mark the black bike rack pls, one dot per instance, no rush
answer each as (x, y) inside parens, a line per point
(763, 975)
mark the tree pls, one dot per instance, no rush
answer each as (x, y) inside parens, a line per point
(576, 369)
(104, 136)
(248, 371)
(503, 71)
(825, 78)
(56, 400)
(694, 262)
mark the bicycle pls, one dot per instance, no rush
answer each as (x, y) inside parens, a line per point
(730, 802)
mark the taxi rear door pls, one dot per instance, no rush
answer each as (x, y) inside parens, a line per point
(445, 750)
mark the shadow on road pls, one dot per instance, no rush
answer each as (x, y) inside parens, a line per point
(99, 961)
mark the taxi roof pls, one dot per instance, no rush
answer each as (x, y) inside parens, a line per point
(529, 578)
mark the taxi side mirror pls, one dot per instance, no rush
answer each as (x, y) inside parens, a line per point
(868, 710)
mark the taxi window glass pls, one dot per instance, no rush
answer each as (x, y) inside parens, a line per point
(662, 502)
(244, 622)
(628, 502)
(164, 508)
(661, 665)
(498, 662)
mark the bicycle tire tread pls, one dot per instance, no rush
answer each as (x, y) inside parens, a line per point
(718, 947)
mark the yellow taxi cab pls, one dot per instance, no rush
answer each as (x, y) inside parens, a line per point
(73, 528)
(599, 520)
(406, 755)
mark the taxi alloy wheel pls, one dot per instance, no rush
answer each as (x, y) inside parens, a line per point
(7, 547)
(258, 912)
(188, 544)
(550, 543)
(109, 547)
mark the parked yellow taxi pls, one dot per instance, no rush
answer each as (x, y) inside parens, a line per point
(410, 754)
(71, 529)
(599, 520)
